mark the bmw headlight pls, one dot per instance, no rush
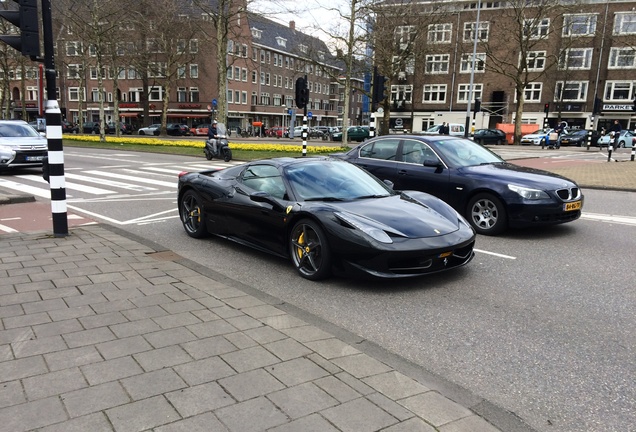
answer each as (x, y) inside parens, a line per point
(373, 232)
(527, 193)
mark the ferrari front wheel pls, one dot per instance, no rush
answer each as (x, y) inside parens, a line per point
(309, 250)
(192, 215)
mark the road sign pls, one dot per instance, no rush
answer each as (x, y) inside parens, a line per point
(309, 114)
(214, 102)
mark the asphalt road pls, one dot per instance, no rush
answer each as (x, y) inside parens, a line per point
(540, 323)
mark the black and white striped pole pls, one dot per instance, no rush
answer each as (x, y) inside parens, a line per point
(302, 98)
(54, 130)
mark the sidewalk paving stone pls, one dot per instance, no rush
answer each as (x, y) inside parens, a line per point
(121, 341)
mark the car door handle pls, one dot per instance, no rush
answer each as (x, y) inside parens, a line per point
(402, 172)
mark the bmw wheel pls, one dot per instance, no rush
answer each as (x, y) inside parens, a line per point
(487, 214)
(309, 250)
(192, 214)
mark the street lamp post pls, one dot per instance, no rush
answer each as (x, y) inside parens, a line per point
(472, 70)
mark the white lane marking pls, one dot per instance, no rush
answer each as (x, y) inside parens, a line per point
(7, 229)
(111, 183)
(32, 190)
(70, 185)
(495, 254)
(626, 220)
(132, 178)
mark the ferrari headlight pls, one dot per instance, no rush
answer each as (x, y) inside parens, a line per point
(371, 231)
(527, 193)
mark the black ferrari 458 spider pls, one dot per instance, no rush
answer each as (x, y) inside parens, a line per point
(326, 215)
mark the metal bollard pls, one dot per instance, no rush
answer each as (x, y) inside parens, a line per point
(633, 151)
(609, 151)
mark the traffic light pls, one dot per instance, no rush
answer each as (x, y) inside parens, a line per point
(380, 89)
(302, 93)
(546, 108)
(477, 105)
(26, 19)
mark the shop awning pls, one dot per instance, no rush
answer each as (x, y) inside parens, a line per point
(127, 114)
(188, 115)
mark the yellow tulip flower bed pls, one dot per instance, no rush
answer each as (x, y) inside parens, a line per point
(201, 143)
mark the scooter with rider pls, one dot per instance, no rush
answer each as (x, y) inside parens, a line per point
(217, 145)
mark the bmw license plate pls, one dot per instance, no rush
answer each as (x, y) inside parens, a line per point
(34, 158)
(576, 205)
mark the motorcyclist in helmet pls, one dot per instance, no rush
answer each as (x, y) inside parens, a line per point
(212, 135)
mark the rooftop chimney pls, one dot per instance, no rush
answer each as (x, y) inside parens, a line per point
(292, 25)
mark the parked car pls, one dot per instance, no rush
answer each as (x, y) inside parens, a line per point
(21, 145)
(68, 127)
(489, 136)
(578, 138)
(174, 129)
(625, 139)
(325, 215)
(277, 132)
(538, 137)
(90, 127)
(153, 129)
(454, 129)
(492, 194)
(354, 133)
(200, 130)
(185, 130)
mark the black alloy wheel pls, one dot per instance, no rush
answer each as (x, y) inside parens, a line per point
(309, 250)
(192, 215)
(487, 214)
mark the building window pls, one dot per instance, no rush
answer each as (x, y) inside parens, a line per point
(576, 58)
(132, 73)
(282, 42)
(181, 72)
(625, 23)
(536, 28)
(404, 36)
(439, 33)
(194, 94)
(181, 46)
(303, 48)
(254, 77)
(463, 92)
(620, 91)
(482, 34)
(134, 94)
(256, 33)
(570, 91)
(622, 58)
(254, 98)
(467, 63)
(230, 96)
(74, 94)
(579, 25)
(244, 97)
(278, 100)
(73, 71)
(194, 46)
(434, 93)
(95, 95)
(532, 92)
(31, 93)
(244, 75)
(264, 98)
(156, 93)
(73, 48)
(194, 71)
(437, 64)
(535, 61)
(157, 69)
(237, 73)
(182, 94)
(401, 94)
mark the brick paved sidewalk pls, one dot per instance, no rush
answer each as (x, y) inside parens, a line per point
(102, 333)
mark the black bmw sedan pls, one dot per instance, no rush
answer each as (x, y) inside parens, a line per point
(492, 194)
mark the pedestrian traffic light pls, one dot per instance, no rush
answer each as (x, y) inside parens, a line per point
(546, 108)
(26, 19)
(477, 106)
(302, 93)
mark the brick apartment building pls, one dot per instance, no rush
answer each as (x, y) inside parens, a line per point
(590, 44)
(264, 60)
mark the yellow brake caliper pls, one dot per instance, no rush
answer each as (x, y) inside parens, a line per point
(300, 250)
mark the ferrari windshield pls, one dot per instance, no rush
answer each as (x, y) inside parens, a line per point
(333, 180)
(462, 152)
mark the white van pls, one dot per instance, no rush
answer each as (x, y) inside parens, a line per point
(454, 129)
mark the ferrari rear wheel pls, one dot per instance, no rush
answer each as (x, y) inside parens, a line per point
(487, 214)
(309, 250)
(192, 215)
